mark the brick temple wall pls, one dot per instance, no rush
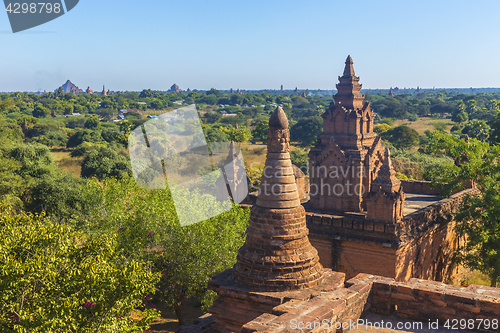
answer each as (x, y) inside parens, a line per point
(424, 300)
(419, 300)
(429, 257)
(427, 241)
(418, 186)
(420, 246)
(353, 258)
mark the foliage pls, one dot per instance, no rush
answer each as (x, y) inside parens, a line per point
(417, 165)
(56, 138)
(402, 136)
(241, 134)
(477, 129)
(214, 135)
(306, 130)
(147, 227)
(40, 111)
(103, 163)
(93, 122)
(260, 131)
(300, 158)
(381, 128)
(10, 133)
(478, 220)
(55, 279)
(84, 135)
(254, 173)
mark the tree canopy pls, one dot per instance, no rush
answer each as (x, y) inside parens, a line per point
(478, 219)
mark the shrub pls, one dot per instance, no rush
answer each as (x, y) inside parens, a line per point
(55, 279)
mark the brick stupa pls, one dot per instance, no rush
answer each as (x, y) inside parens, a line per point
(277, 254)
(277, 263)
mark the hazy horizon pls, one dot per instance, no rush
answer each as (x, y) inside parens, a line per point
(133, 45)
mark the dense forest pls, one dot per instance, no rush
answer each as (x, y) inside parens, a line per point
(118, 248)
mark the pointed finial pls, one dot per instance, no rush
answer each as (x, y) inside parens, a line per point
(278, 119)
(387, 157)
(349, 69)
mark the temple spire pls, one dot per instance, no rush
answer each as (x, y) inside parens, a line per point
(279, 166)
(348, 89)
(386, 178)
(277, 254)
(349, 69)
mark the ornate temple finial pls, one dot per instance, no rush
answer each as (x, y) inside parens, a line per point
(349, 69)
(278, 136)
(278, 119)
(386, 178)
(387, 158)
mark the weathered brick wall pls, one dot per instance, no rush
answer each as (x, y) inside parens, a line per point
(429, 257)
(418, 186)
(321, 312)
(429, 300)
(419, 300)
(427, 241)
(359, 258)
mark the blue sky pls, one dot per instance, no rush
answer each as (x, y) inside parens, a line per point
(133, 45)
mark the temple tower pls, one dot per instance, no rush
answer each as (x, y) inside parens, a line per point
(348, 153)
(104, 91)
(277, 254)
(386, 198)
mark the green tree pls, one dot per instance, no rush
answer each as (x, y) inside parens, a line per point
(300, 158)
(402, 136)
(40, 111)
(84, 135)
(103, 163)
(211, 118)
(382, 128)
(10, 133)
(241, 134)
(477, 129)
(260, 131)
(106, 114)
(6, 104)
(51, 139)
(214, 135)
(55, 279)
(93, 122)
(236, 99)
(495, 129)
(306, 130)
(157, 104)
(210, 99)
(187, 257)
(460, 117)
(478, 219)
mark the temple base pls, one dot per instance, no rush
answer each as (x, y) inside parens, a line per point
(237, 305)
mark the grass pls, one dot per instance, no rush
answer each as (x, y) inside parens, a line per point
(424, 124)
(468, 276)
(62, 156)
(256, 153)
